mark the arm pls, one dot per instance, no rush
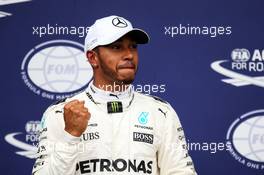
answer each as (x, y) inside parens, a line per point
(57, 150)
(173, 158)
(58, 145)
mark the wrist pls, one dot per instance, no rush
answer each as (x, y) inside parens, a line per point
(73, 132)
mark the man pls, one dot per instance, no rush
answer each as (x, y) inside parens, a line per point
(109, 128)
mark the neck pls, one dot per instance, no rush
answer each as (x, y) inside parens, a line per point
(102, 95)
(110, 86)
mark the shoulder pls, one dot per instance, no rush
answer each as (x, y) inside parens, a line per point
(154, 102)
(59, 104)
(54, 113)
(151, 99)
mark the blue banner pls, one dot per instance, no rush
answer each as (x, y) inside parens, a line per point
(206, 58)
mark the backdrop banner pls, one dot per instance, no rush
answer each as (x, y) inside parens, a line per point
(206, 58)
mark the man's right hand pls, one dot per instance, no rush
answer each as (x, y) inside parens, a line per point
(76, 117)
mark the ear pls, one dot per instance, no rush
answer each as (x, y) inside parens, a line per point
(92, 58)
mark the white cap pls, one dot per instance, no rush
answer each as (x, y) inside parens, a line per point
(109, 29)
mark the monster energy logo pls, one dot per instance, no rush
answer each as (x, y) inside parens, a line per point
(114, 107)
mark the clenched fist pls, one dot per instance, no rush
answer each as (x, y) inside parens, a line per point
(76, 117)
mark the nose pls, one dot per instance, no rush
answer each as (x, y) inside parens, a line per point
(128, 54)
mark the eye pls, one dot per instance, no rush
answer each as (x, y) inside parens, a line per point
(115, 46)
(134, 46)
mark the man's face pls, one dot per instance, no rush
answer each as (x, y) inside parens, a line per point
(118, 61)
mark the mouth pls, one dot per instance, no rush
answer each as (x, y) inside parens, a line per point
(127, 65)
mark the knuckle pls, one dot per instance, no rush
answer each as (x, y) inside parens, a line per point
(77, 112)
(66, 107)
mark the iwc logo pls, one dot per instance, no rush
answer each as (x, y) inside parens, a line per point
(244, 68)
(56, 69)
(246, 139)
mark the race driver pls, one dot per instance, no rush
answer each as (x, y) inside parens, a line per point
(109, 128)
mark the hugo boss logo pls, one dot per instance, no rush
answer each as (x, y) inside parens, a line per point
(119, 22)
(142, 137)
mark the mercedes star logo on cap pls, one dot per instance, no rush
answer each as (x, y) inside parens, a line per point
(119, 22)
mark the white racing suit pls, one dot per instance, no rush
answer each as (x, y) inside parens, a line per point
(132, 134)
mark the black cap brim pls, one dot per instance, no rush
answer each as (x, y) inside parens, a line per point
(140, 36)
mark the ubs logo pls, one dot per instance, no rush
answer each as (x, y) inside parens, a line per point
(90, 136)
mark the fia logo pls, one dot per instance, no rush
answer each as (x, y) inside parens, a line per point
(7, 2)
(243, 69)
(27, 146)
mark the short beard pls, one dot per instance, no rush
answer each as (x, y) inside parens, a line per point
(127, 82)
(111, 74)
